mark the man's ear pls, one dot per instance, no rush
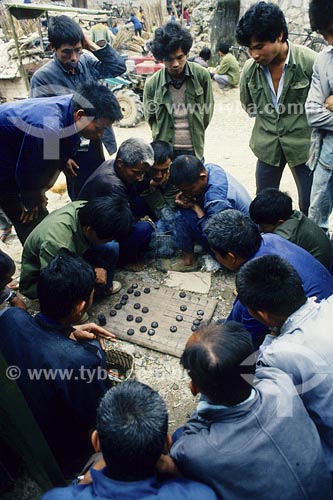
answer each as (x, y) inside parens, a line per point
(95, 441)
(168, 444)
(78, 114)
(194, 388)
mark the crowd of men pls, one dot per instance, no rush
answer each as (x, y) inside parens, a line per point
(263, 426)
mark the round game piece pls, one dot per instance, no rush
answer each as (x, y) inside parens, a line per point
(113, 312)
(173, 328)
(194, 328)
(130, 290)
(137, 293)
(138, 319)
(146, 290)
(154, 324)
(101, 319)
(143, 329)
(129, 317)
(137, 305)
(196, 322)
(200, 318)
(130, 331)
(134, 285)
(123, 302)
(182, 294)
(183, 307)
(200, 312)
(145, 309)
(179, 317)
(118, 306)
(151, 332)
(125, 296)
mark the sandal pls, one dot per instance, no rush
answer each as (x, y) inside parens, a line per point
(5, 233)
(165, 265)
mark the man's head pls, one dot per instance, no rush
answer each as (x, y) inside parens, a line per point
(205, 54)
(65, 288)
(7, 269)
(134, 157)
(171, 44)
(263, 29)
(223, 48)
(67, 41)
(233, 237)
(270, 208)
(189, 175)
(213, 358)
(163, 156)
(95, 108)
(270, 288)
(106, 218)
(132, 425)
(321, 18)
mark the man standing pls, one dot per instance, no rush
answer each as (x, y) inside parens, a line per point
(273, 88)
(178, 99)
(319, 110)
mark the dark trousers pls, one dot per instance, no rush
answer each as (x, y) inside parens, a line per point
(269, 176)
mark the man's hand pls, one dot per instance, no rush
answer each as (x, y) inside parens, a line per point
(17, 302)
(101, 276)
(89, 44)
(329, 103)
(71, 168)
(87, 479)
(166, 467)
(185, 201)
(91, 331)
(29, 214)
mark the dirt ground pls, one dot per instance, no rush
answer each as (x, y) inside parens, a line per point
(227, 140)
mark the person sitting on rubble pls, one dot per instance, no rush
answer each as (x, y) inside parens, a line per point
(204, 191)
(204, 56)
(227, 73)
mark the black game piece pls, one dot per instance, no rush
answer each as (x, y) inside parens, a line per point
(143, 329)
(130, 317)
(125, 296)
(194, 328)
(113, 312)
(182, 294)
(145, 309)
(200, 312)
(154, 324)
(183, 308)
(138, 319)
(173, 328)
(130, 290)
(196, 322)
(123, 302)
(134, 285)
(137, 305)
(118, 306)
(151, 332)
(146, 290)
(179, 317)
(137, 293)
(101, 319)
(130, 331)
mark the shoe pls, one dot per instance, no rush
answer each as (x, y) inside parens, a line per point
(5, 233)
(116, 287)
(84, 319)
(178, 265)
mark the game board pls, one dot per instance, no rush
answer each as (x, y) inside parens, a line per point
(163, 304)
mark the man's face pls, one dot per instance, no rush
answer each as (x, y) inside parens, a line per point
(132, 173)
(69, 55)
(91, 129)
(160, 172)
(196, 188)
(175, 64)
(265, 52)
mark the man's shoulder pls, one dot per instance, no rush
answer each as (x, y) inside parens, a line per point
(186, 489)
(301, 54)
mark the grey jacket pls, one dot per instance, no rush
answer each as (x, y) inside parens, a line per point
(264, 449)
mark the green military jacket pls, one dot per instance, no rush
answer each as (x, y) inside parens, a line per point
(286, 131)
(59, 232)
(229, 66)
(199, 101)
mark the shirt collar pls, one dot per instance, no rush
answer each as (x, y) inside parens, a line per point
(179, 82)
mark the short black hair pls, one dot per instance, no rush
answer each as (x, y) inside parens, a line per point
(321, 16)
(270, 206)
(214, 357)
(270, 284)
(224, 47)
(64, 30)
(109, 216)
(162, 151)
(205, 54)
(168, 39)
(132, 424)
(233, 231)
(185, 169)
(61, 285)
(7, 268)
(263, 22)
(98, 101)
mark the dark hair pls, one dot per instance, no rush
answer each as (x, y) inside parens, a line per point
(270, 206)
(168, 39)
(63, 284)
(213, 357)
(233, 231)
(205, 54)
(132, 424)
(109, 216)
(64, 30)
(321, 16)
(270, 284)
(98, 101)
(162, 151)
(185, 169)
(7, 268)
(224, 47)
(262, 22)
